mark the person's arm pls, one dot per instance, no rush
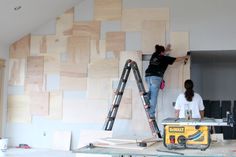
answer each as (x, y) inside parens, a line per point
(202, 114)
(177, 113)
(183, 58)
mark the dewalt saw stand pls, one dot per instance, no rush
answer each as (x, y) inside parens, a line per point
(118, 95)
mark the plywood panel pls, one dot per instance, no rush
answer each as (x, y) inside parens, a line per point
(16, 72)
(73, 70)
(130, 21)
(65, 22)
(90, 29)
(125, 108)
(105, 68)
(21, 48)
(95, 53)
(39, 103)
(133, 55)
(133, 41)
(98, 88)
(73, 83)
(61, 140)
(84, 111)
(55, 105)
(78, 50)
(38, 45)
(180, 47)
(153, 32)
(35, 67)
(56, 44)
(18, 109)
(107, 9)
(115, 42)
(110, 26)
(179, 43)
(51, 63)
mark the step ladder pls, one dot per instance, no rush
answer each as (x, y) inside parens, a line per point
(119, 93)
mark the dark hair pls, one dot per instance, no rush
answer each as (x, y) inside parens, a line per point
(189, 93)
(159, 49)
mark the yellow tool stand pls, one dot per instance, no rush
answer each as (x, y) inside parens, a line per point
(193, 133)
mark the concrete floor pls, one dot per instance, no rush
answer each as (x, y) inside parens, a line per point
(226, 149)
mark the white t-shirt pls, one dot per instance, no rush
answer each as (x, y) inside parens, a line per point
(195, 105)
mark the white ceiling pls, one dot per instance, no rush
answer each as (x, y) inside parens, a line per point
(33, 13)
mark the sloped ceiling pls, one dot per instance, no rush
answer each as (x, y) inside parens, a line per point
(33, 13)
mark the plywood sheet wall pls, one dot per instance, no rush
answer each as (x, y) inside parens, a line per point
(125, 108)
(21, 48)
(104, 68)
(98, 88)
(56, 44)
(73, 83)
(153, 32)
(65, 22)
(115, 42)
(16, 72)
(55, 105)
(39, 103)
(18, 109)
(107, 9)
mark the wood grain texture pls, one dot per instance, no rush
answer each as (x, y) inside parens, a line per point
(37, 45)
(73, 70)
(153, 32)
(115, 42)
(56, 44)
(107, 9)
(39, 103)
(180, 47)
(51, 63)
(65, 22)
(133, 55)
(98, 88)
(34, 74)
(21, 48)
(73, 83)
(16, 72)
(55, 105)
(125, 108)
(18, 109)
(104, 68)
(97, 53)
(78, 50)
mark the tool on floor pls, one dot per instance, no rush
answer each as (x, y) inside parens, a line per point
(118, 95)
(191, 133)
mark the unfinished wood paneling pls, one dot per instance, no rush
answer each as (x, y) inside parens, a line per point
(39, 103)
(55, 105)
(115, 42)
(153, 32)
(107, 9)
(56, 44)
(52, 82)
(180, 46)
(76, 110)
(89, 29)
(73, 83)
(73, 70)
(97, 53)
(34, 72)
(132, 19)
(65, 22)
(16, 72)
(133, 55)
(98, 88)
(78, 50)
(125, 108)
(18, 109)
(105, 68)
(51, 63)
(38, 45)
(21, 48)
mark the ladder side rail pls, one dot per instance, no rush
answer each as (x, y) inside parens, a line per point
(118, 96)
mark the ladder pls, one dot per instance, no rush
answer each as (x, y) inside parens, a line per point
(118, 95)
